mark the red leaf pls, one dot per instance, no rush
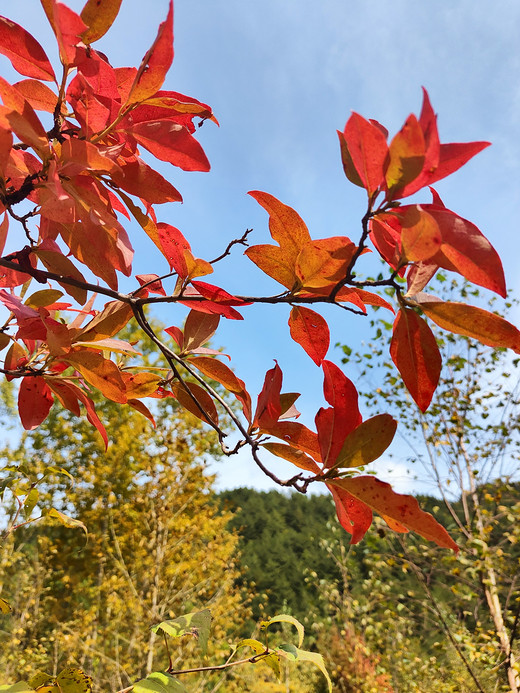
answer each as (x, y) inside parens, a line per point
(34, 401)
(336, 422)
(416, 356)
(466, 250)
(171, 142)
(67, 26)
(23, 50)
(218, 295)
(156, 63)
(39, 95)
(354, 516)
(139, 179)
(177, 252)
(488, 328)
(153, 283)
(368, 150)
(268, 408)
(311, 331)
(403, 509)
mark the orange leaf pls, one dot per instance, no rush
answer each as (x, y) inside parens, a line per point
(142, 409)
(420, 236)
(323, 262)
(23, 50)
(218, 371)
(275, 263)
(297, 457)
(416, 356)
(405, 510)
(488, 328)
(39, 95)
(99, 16)
(34, 401)
(297, 436)
(286, 226)
(200, 397)
(111, 320)
(311, 331)
(156, 63)
(99, 372)
(407, 152)
(141, 384)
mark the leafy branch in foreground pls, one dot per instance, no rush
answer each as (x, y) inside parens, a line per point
(80, 181)
(197, 625)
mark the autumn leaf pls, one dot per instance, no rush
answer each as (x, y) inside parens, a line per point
(268, 408)
(215, 369)
(336, 422)
(421, 236)
(297, 457)
(297, 436)
(311, 331)
(406, 153)
(23, 50)
(367, 442)
(171, 142)
(488, 328)
(405, 510)
(368, 151)
(416, 356)
(34, 401)
(354, 516)
(196, 400)
(98, 15)
(156, 62)
(100, 372)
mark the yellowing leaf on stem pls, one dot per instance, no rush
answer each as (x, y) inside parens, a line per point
(100, 372)
(367, 442)
(98, 15)
(420, 236)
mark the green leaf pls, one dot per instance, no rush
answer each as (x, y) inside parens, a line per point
(317, 659)
(196, 623)
(19, 687)
(40, 679)
(272, 660)
(285, 618)
(157, 682)
(66, 520)
(30, 501)
(367, 442)
(72, 680)
(288, 651)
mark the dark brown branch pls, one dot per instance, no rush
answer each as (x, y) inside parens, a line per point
(237, 241)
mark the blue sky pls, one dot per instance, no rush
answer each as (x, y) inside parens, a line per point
(282, 76)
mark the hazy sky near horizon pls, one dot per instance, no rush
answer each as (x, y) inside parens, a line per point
(281, 77)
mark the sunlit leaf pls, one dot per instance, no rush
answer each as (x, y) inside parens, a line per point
(23, 50)
(404, 509)
(67, 521)
(416, 356)
(99, 16)
(196, 623)
(285, 618)
(367, 442)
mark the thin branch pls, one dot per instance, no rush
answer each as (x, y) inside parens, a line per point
(237, 241)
